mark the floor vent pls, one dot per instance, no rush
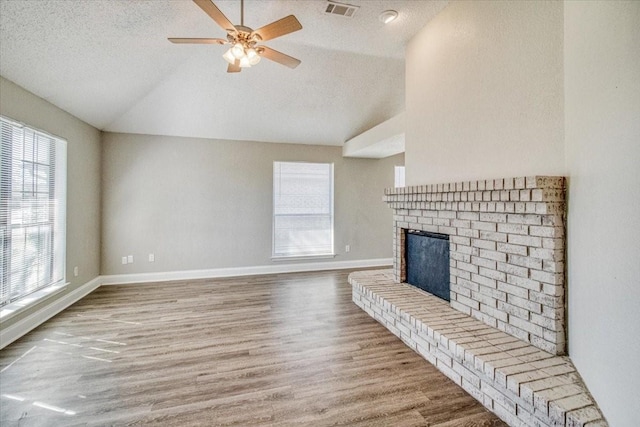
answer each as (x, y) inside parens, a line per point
(335, 8)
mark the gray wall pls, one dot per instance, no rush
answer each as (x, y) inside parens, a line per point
(83, 180)
(206, 204)
(498, 89)
(602, 115)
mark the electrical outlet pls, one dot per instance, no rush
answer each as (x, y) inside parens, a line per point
(130, 259)
(76, 271)
(152, 258)
(347, 248)
(124, 259)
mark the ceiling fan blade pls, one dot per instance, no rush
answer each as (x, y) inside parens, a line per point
(279, 57)
(234, 68)
(215, 14)
(197, 40)
(278, 28)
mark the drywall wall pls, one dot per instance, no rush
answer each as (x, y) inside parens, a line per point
(498, 89)
(207, 204)
(83, 181)
(484, 93)
(602, 116)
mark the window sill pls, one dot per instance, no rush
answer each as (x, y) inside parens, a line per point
(10, 310)
(302, 257)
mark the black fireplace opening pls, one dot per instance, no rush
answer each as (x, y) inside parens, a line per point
(427, 262)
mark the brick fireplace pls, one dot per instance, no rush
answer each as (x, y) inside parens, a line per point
(501, 337)
(506, 250)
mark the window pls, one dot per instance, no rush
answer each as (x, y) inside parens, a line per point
(302, 209)
(32, 211)
(399, 177)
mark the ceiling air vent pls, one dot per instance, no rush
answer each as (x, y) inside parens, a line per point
(335, 8)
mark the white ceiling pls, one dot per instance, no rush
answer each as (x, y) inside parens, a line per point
(108, 62)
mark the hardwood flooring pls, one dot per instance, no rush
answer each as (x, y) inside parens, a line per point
(277, 350)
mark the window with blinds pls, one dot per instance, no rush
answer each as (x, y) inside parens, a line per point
(32, 210)
(302, 209)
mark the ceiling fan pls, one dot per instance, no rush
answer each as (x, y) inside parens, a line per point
(245, 51)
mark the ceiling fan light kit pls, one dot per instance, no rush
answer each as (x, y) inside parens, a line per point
(245, 51)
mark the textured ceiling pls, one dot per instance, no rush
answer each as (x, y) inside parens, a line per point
(109, 63)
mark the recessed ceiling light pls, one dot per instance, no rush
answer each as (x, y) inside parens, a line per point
(388, 16)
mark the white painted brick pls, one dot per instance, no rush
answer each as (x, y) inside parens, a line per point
(546, 231)
(492, 254)
(485, 226)
(513, 269)
(582, 417)
(494, 312)
(467, 267)
(524, 303)
(514, 228)
(468, 284)
(468, 232)
(460, 290)
(494, 293)
(487, 301)
(559, 408)
(484, 317)
(492, 274)
(522, 282)
(524, 219)
(493, 217)
(475, 305)
(453, 376)
(513, 310)
(498, 396)
(517, 239)
(457, 256)
(484, 281)
(490, 235)
(525, 325)
(524, 261)
(552, 243)
(546, 277)
(460, 240)
(542, 398)
(553, 290)
(483, 244)
(547, 254)
(461, 307)
(512, 249)
(513, 290)
(446, 214)
(483, 262)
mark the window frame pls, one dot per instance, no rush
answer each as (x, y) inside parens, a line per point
(300, 256)
(55, 199)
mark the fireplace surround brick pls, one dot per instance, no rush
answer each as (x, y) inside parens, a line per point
(506, 250)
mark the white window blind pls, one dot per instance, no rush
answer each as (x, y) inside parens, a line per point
(302, 209)
(32, 210)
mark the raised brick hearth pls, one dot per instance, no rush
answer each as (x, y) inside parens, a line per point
(520, 383)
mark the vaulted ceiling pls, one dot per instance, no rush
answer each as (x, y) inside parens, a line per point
(108, 62)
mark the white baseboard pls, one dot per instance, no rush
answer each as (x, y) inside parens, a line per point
(242, 271)
(21, 327)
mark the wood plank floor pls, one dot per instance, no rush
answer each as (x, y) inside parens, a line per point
(276, 350)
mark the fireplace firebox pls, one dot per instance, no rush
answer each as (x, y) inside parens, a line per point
(427, 262)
